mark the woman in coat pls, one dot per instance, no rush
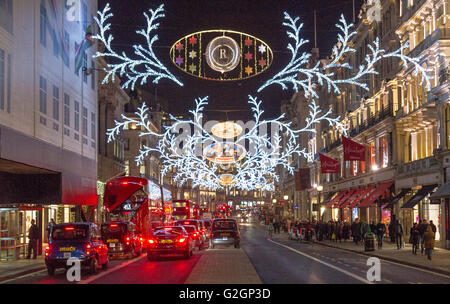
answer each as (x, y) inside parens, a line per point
(428, 241)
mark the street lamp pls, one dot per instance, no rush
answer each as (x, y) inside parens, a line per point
(274, 201)
(286, 197)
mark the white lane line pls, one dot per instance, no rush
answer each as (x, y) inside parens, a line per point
(102, 274)
(324, 263)
(24, 276)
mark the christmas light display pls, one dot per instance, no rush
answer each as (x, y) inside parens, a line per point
(299, 75)
(185, 155)
(146, 65)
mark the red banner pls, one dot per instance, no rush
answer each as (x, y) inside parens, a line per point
(329, 165)
(353, 150)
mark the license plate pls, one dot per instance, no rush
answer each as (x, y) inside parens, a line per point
(67, 249)
(225, 234)
(67, 255)
(224, 238)
(166, 242)
(112, 241)
(112, 245)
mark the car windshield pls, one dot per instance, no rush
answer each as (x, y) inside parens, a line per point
(189, 229)
(224, 225)
(113, 230)
(165, 230)
(66, 233)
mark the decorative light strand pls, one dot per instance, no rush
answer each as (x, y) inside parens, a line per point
(132, 69)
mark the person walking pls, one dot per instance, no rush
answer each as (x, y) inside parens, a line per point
(433, 226)
(270, 229)
(414, 237)
(49, 228)
(429, 241)
(381, 230)
(33, 235)
(346, 231)
(422, 229)
(391, 232)
(398, 230)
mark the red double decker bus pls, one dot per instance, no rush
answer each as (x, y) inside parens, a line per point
(184, 209)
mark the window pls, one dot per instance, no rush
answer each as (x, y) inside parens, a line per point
(55, 103)
(77, 116)
(6, 15)
(43, 26)
(447, 127)
(77, 71)
(85, 76)
(66, 49)
(85, 123)
(383, 156)
(42, 95)
(67, 110)
(8, 86)
(2, 79)
(93, 130)
(84, 17)
(372, 160)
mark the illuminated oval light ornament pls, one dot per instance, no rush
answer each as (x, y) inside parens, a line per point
(226, 180)
(224, 153)
(227, 129)
(221, 55)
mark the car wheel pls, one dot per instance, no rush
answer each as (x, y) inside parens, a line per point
(105, 266)
(51, 271)
(94, 265)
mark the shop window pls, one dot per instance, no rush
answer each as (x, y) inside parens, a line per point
(372, 156)
(383, 152)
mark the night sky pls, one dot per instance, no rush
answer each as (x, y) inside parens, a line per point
(260, 18)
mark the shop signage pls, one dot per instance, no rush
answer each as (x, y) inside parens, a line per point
(353, 150)
(329, 165)
(30, 208)
(221, 55)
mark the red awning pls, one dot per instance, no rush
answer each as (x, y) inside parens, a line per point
(337, 197)
(361, 196)
(379, 190)
(344, 198)
(351, 197)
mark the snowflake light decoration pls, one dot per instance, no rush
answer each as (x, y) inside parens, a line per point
(299, 75)
(146, 65)
(257, 170)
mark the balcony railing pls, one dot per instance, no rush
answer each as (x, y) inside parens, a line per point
(419, 166)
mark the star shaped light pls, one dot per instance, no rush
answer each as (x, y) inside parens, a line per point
(262, 49)
(248, 56)
(248, 70)
(179, 46)
(248, 42)
(193, 41)
(193, 54)
(192, 68)
(179, 60)
(262, 62)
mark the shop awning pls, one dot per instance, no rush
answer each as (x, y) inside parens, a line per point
(397, 198)
(336, 198)
(442, 192)
(328, 197)
(374, 195)
(353, 197)
(345, 198)
(419, 196)
(363, 195)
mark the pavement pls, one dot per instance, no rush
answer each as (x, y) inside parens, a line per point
(13, 269)
(224, 266)
(440, 261)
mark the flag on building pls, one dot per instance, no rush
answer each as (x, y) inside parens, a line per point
(328, 164)
(81, 50)
(353, 150)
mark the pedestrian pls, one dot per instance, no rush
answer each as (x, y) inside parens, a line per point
(429, 241)
(380, 231)
(33, 235)
(391, 232)
(346, 231)
(365, 228)
(422, 229)
(270, 228)
(414, 237)
(398, 230)
(373, 227)
(433, 226)
(49, 228)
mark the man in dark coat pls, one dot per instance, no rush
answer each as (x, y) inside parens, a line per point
(422, 228)
(381, 230)
(391, 232)
(433, 227)
(398, 230)
(33, 235)
(414, 238)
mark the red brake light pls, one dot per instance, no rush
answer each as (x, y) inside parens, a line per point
(128, 238)
(152, 241)
(69, 228)
(114, 225)
(125, 183)
(181, 240)
(187, 208)
(47, 250)
(88, 246)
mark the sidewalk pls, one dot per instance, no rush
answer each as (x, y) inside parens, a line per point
(440, 260)
(14, 269)
(224, 266)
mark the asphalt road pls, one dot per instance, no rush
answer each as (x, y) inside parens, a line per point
(281, 261)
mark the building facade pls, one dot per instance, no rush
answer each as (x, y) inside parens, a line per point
(48, 117)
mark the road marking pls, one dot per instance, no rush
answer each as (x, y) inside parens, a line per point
(324, 263)
(102, 274)
(24, 276)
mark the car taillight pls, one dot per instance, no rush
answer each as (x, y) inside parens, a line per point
(194, 234)
(47, 250)
(151, 241)
(181, 240)
(88, 249)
